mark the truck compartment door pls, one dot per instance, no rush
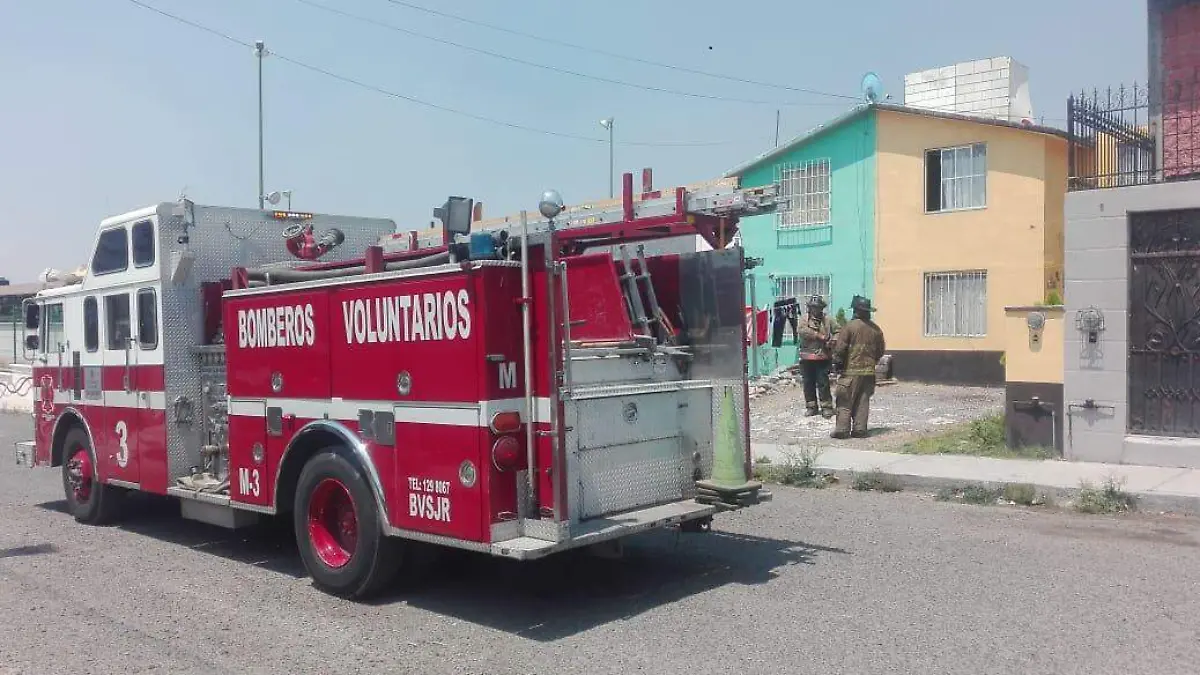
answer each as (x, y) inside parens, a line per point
(439, 489)
(628, 451)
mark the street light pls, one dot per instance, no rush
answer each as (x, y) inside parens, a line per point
(260, 51)
(607, 123)
(276, 195)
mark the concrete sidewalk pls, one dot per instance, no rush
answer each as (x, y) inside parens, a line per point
(1157, 488)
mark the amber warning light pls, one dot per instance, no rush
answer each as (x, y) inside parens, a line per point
(291, 215)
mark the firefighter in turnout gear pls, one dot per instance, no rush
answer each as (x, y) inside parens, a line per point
(859, 347)
(816, 336)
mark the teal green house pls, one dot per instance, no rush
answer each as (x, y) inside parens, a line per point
(823, 243)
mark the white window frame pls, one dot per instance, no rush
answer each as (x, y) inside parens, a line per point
(953, 312)
(956, 190)
(53, 334)
(808, 186)
(787, 285)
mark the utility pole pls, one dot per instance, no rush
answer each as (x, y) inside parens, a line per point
(607, 123)
(777, 128)
(260, 50)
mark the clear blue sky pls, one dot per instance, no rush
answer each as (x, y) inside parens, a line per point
(108, 107)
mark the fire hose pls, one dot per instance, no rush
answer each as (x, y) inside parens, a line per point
(291, 275)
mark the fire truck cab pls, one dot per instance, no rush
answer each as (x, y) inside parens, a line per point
(504, 390)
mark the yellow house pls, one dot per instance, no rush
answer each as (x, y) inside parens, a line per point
(968, 220)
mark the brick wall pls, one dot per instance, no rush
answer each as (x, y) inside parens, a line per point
(1180, 70)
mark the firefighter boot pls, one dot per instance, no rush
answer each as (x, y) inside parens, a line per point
(841, 428)
(810, 409)
(841, 395)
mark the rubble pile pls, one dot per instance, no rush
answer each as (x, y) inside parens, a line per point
(900, 412)
(780, 379)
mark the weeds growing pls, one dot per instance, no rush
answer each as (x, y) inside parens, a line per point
(1107, 498)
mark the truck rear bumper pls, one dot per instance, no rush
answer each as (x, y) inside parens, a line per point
(605, 528)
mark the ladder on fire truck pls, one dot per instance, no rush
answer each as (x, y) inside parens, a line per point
(711, 211)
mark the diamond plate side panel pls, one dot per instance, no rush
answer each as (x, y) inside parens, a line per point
(548, 530)
(696, 421)
(629, 451)
(621, 420)
(622, 369)
(221, 238)
(597, 370)
(620, 478)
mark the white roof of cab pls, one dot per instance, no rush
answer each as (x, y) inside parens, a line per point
(145, 212)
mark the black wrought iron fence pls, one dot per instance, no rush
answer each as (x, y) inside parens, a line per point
(1133, 135)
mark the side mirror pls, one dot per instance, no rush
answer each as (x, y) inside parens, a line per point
(32, 343)
(455, 215)
(33, 316)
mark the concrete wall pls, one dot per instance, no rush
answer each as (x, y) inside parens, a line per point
(17, 394)
(842, 250)
(1027, 359)
(1057, 171)
(1033, 370)
(1097, 275)
(1015, 238)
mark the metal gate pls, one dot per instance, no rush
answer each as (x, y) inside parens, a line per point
(1164, 323)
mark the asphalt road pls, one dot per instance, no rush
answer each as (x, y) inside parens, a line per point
(828, 581)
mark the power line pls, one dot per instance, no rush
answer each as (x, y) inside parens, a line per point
(615, 55)
(396, 95)
(542, 66)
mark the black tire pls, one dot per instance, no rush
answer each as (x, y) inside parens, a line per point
(99, 503)
(374, 559)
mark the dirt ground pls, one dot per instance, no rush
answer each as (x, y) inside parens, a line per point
(900, 412)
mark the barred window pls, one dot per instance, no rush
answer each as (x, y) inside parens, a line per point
(806, 188)
(956, 178)
(956, 304)
(800, 287)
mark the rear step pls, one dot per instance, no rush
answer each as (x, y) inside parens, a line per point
(606, 528)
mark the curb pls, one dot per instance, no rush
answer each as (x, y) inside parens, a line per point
(1146, 501)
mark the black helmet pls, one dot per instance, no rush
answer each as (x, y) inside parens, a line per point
(816, 302)
(861, 304)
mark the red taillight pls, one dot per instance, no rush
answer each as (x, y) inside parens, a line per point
(506, 423)
(506, 453)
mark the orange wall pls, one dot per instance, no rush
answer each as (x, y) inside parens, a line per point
(1015, 238)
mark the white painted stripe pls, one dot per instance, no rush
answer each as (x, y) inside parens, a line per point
(541, 408)
(448, 414)
(151, 400)
(242, 408)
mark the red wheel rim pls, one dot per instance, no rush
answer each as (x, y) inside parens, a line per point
(332, 523)
(79, 475)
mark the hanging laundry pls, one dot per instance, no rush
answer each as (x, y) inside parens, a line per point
(786, 311)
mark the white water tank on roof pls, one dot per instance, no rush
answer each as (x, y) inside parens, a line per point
(995, 87)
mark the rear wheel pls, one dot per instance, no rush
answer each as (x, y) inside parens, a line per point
(339, 529)
(88, 500)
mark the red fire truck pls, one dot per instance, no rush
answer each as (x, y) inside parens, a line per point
(516, 391)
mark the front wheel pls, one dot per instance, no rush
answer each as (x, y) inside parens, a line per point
(339, 529)
(88, 500)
